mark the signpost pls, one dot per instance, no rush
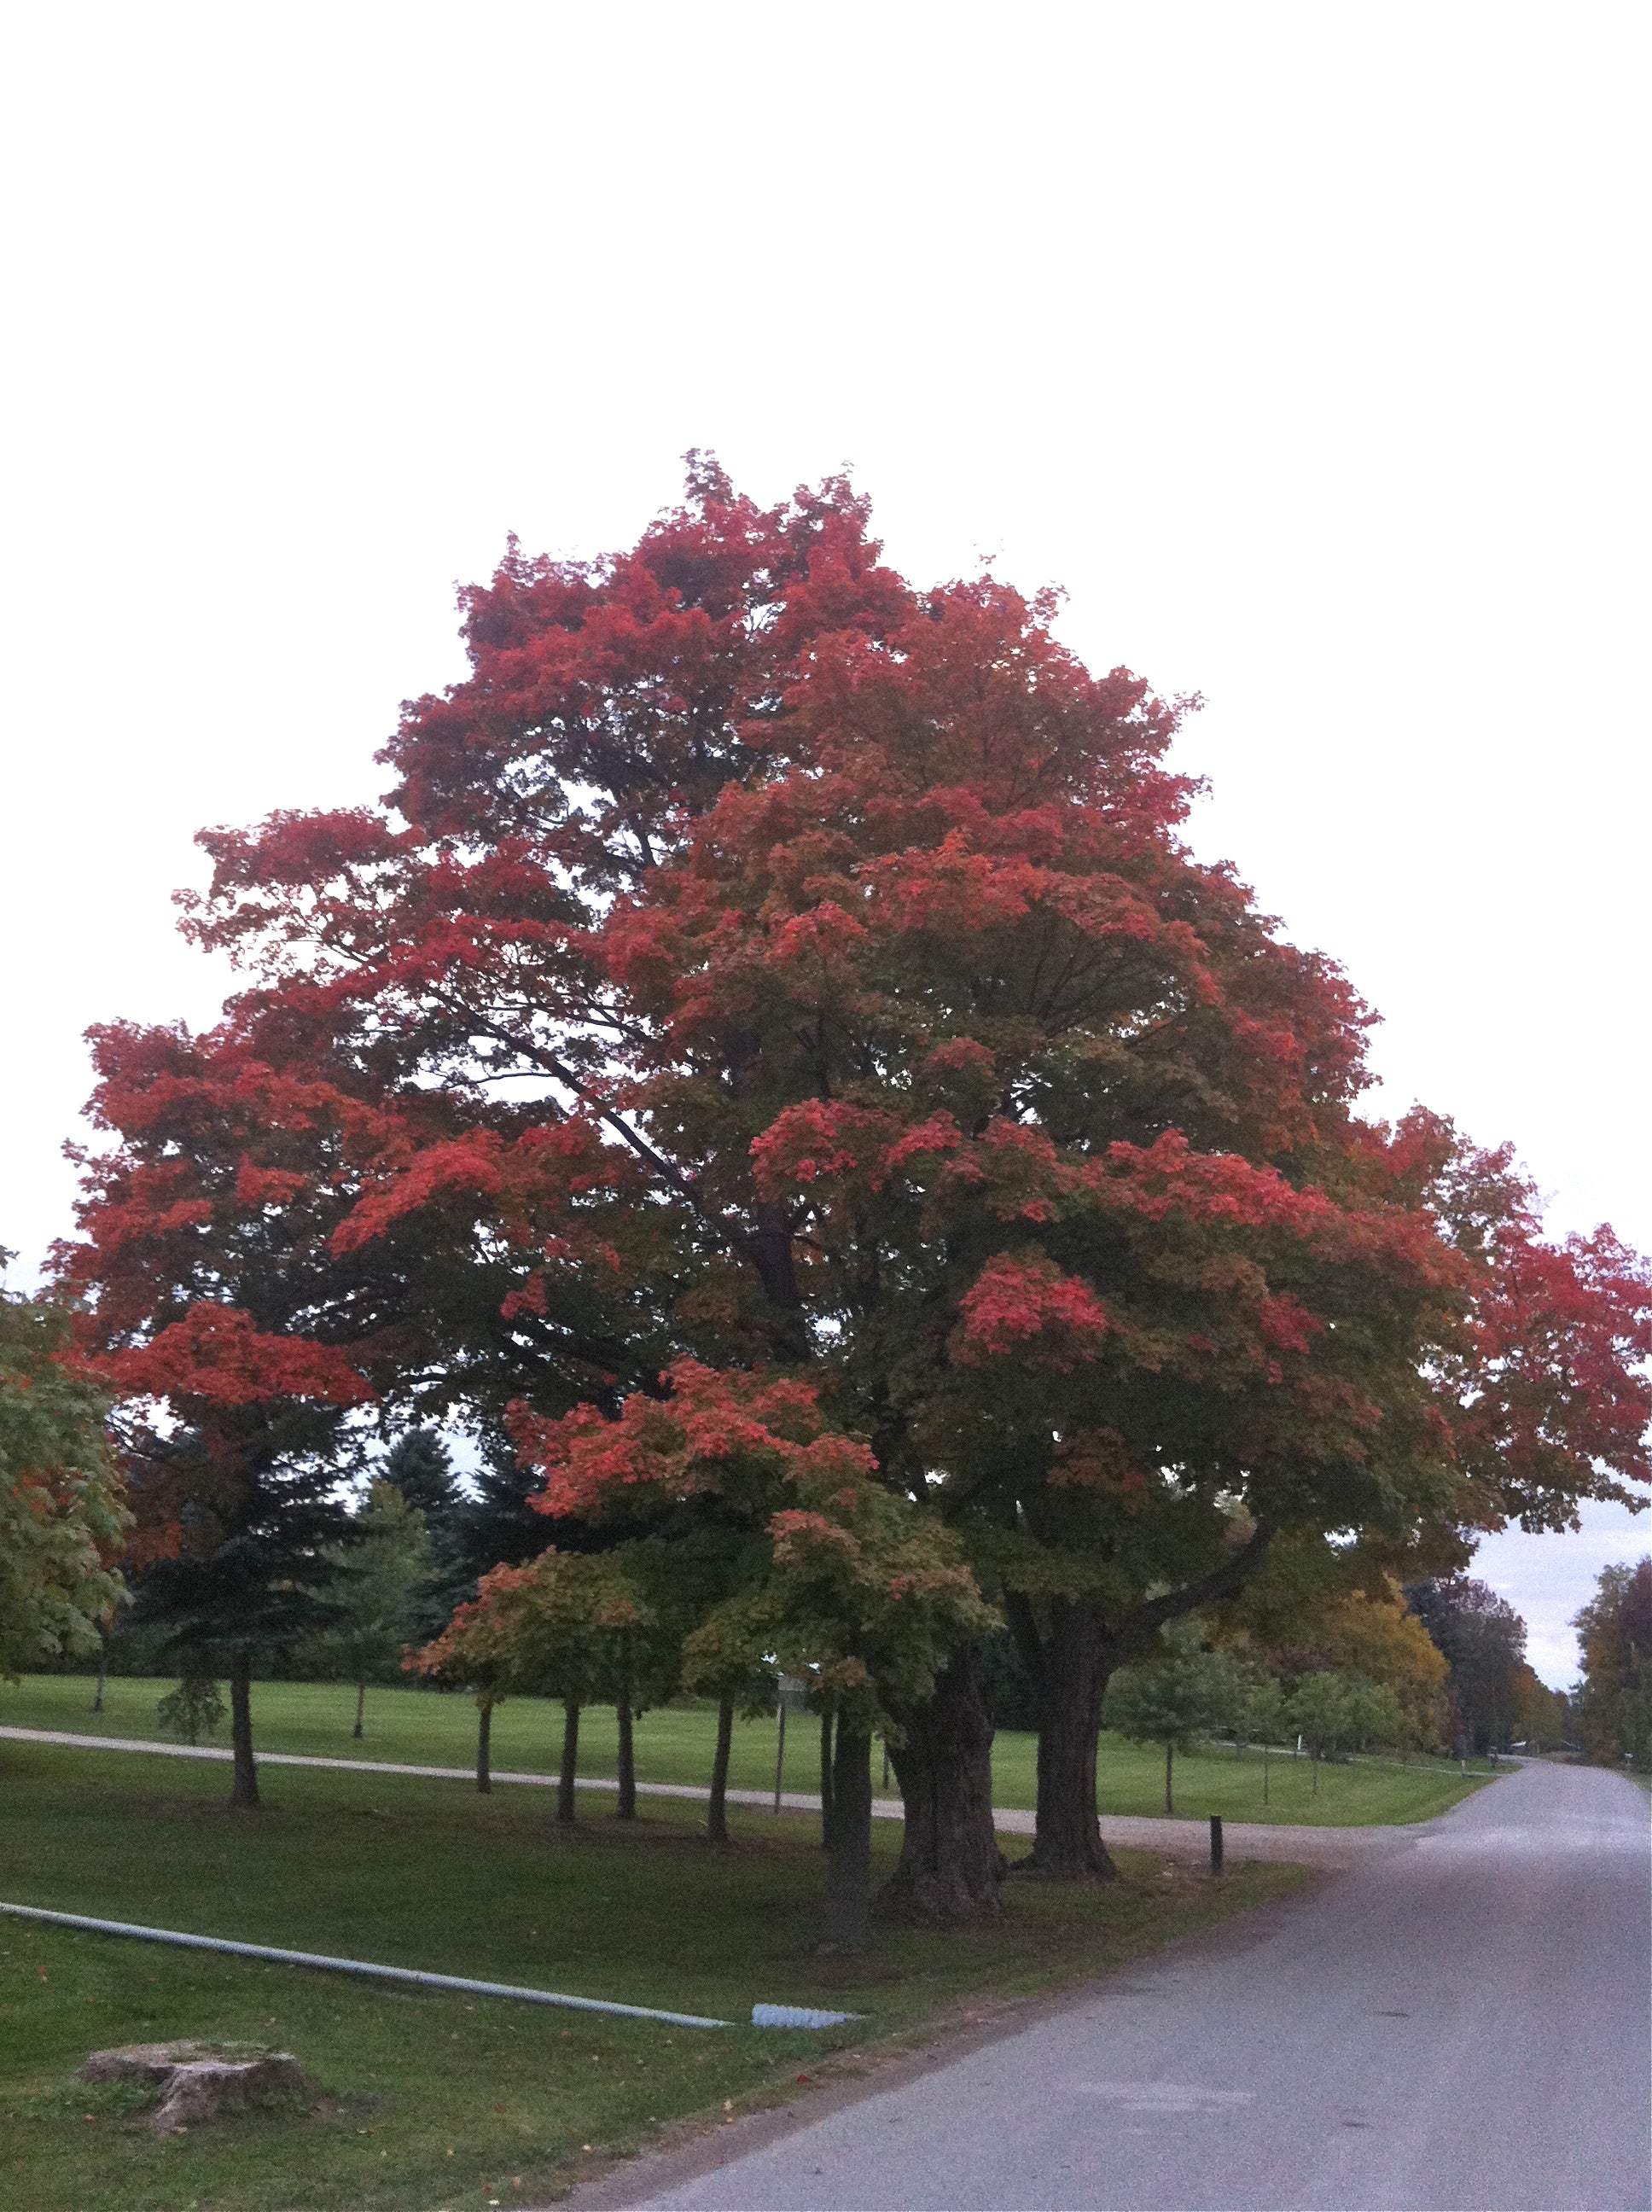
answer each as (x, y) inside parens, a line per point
(792, 1691)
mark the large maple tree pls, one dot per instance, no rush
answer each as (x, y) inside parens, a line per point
(760, 961)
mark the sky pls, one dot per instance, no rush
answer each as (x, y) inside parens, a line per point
(1304, 347)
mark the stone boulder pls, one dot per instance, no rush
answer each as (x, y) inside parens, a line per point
(199, 2080)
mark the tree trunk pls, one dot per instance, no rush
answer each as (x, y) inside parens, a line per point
(1314, 1763)
(848, 1895)
(1170, 1760)
(951, 1866)
(717, 1811)
(566, 1779)
(484, 1730)
(360, 1707)
(827, 1793)
(244, 1793)
(103, 1668)
(625, 1808)
(1067, 1843)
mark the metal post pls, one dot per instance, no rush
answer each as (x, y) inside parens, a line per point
(1215, 1843)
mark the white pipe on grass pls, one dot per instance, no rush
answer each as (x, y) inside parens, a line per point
(357, 1966)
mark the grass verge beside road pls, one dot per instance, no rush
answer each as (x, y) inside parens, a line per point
(431, 2100)
(675, 1745)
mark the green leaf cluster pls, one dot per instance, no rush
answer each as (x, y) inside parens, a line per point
(62, 1522)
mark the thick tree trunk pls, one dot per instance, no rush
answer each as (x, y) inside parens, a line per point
(951, 1866)
(1070, 1661)
(768, 1245)
(484, 1731)
(625, 1807)
(360, 1707)
(717, 1811)
(827, 1792)
(1067, 1843)
(244, 1792)
(565, 1780)
(848, 1894)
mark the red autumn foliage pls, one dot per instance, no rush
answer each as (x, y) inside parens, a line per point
(845, 934)
(218, 1355)
(1027, 1308)
(703, 1437)
(777, 966)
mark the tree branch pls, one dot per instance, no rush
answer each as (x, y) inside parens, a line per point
(1152, 1615)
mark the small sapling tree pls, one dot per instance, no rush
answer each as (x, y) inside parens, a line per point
(382, 1575)
(1174, 1698)
(1255, 1706)
(565, 1626)
(1323, 1711)
(1375, 1715)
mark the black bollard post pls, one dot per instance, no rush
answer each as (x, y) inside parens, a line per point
(1215, 1843)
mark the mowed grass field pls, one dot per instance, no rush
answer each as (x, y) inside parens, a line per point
(428, 2100)
(675, 1745)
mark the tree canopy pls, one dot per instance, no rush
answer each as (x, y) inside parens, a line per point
(763, 969)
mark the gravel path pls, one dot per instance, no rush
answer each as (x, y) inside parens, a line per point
(1183, 1839)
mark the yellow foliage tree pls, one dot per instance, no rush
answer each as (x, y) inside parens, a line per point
(1376, 1637)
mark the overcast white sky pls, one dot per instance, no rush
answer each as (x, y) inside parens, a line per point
(1306, 346)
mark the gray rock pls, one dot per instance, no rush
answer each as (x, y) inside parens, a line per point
(205, 2088)
(198, 2082)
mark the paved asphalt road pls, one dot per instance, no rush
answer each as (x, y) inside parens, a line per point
(1463, 2023)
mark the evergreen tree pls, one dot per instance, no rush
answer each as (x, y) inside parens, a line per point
(385, 1575)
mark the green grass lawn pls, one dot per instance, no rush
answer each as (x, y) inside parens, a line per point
(675, 1745)
(429, 2100)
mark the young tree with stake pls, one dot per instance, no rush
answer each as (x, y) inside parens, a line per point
(1323, 1711)
(1175, 1697)
(383, 1576)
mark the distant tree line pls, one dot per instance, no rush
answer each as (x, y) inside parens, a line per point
(1614, 1699)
